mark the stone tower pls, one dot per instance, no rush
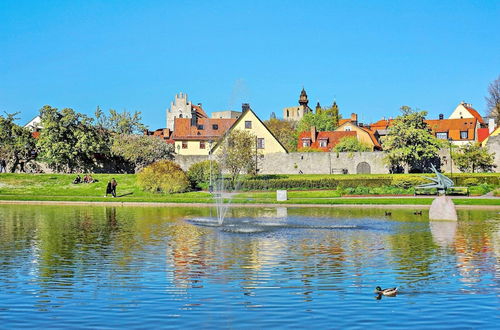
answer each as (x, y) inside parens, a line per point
(179, 108)
(297, 112)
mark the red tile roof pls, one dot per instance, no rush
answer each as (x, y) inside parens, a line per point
(482, 134)
(332, 137)
(454, 126)
(164, 133)
(475, 114)
(199, 111)
(185, 131)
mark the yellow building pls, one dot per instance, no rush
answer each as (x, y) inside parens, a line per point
(363, 134)
(266, 142)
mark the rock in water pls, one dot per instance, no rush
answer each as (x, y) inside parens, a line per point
(443, 208)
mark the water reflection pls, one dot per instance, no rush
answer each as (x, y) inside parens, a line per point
(116, 258)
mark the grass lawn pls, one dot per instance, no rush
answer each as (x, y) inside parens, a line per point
(59, 187)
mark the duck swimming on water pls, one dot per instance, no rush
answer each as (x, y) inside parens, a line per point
(386, 292)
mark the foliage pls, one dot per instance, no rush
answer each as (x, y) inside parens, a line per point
(237, 154)
(471, 182)
(309, 149)
(472, 157)
(410, 143)
(284, 131)
(322, 121)
(351, 144)
(481, 189)
(332, 112)
(140, 150)
(69, 141)
(120, 122)
(199, 173)
(407, 181)
(17, 145)
(493, 99)
(163, 176)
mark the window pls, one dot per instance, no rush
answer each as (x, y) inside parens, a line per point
(306, 143)
(248, 124)
(347, 128)
(200, 127)
(323, 143)
(184, 145)
(287, 113)
(442, 135)
(202, 144)
(215, 127)
(180, 116)
(464, 135)
(260, 143)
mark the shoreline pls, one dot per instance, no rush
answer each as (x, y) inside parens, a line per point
(170, 204)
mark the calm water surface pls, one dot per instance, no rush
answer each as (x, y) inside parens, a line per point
(106, 267)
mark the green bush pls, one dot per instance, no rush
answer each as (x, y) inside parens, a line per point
(163, 176)
(481, 189)
(470, 182)
(199, 173)
(407, 181)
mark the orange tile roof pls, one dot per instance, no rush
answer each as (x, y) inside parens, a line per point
(164, 133)
(185, 131)
(332, 137)
(475, 114)
(453, 127)
(199, 111)
(482, 134)
(372, 137)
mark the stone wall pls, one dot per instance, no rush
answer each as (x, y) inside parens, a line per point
(185, 161)
(493, 145)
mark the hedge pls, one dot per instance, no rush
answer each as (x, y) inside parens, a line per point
(354, 181)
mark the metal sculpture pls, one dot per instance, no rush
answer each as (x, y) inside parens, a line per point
(440, 182)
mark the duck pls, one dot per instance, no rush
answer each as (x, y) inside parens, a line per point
(386, 292)
(387, 213)
(417, 212)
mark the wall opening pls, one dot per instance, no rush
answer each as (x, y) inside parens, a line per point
(363, 168)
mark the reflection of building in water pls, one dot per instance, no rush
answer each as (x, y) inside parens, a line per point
(473, 249)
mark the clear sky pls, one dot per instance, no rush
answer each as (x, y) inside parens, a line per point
(371, 56)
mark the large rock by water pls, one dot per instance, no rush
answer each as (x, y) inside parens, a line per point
(443, 208)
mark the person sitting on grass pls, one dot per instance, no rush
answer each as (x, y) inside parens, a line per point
(77, 180)
(113, 187)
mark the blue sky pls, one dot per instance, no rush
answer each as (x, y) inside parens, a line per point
(371, 56)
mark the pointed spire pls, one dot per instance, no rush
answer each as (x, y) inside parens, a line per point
(303, 98)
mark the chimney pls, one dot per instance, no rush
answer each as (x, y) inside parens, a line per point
(194, 118)
(360, 124)
(491, 125)
(313, 133)
(245, 106)
(441, 116)
(354, 118)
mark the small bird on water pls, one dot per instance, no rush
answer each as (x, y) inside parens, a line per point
(417, 212)
(387, 213)
(392, 292)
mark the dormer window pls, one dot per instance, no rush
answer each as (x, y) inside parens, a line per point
(323, 143)
(306, 143)
(347, 128)
(442, 135)
(215, 127)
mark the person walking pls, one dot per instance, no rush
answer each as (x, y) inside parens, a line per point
(113, 187)
(109, 189)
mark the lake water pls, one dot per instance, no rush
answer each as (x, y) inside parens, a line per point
(143, 267)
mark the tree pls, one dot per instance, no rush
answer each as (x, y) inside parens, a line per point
(472, 157)
(69, 141)
(17, 145)
(140, 150)
(322, 121)
(284, 131)
(350, 144)
(410, 143)
(493, 99)
(237, 154)
(120, 122)
(163, 176)
(332, 112)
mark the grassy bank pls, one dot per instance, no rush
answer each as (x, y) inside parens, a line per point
(59, 187)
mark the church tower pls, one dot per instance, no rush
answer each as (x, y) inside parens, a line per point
(180, 108)
(303, 98)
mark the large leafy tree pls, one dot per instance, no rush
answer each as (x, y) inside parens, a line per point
(332, 112)
(474, 158)
(69, 141)
(237, 153)
(17, 145)
(284, 131)
(409, 143)
(120, 122)
(140, 150)
(322, 121)
(493, 99)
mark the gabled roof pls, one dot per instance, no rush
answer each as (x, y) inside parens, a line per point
(474, 113)
(332, 137)
(185, 131)
(200, 113)
(445, 125)
(370, 133)
(240, 119)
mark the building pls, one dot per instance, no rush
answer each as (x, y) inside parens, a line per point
(163, 133)
(35, 124)
(266, 142)
(297, 112)
(324, 141)
(226, 114)
(364, 134)
(466, 111)
(181, 107)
